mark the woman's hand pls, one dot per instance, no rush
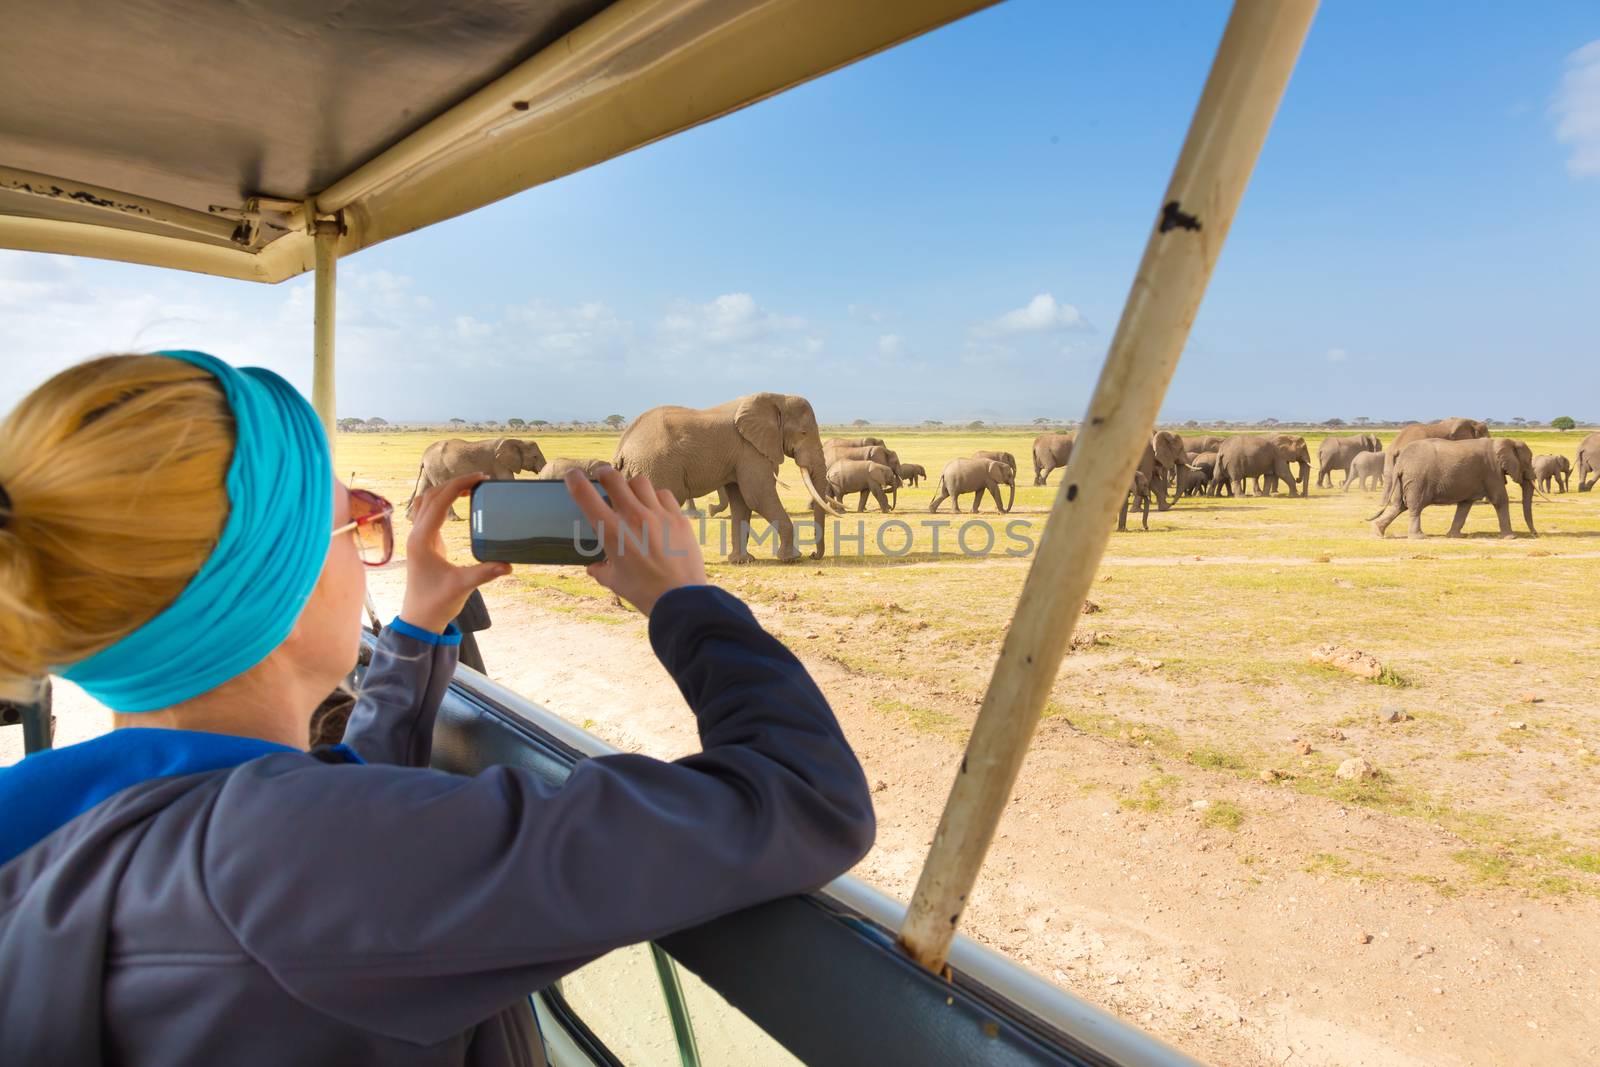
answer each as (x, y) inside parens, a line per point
(436, 589)
(650, 544)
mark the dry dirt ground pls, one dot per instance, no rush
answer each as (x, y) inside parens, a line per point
(1173, 852)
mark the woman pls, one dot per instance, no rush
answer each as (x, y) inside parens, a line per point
(194, 888)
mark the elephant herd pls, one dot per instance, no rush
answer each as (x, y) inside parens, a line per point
(1450, 461)
(734, 451)
(867, 465)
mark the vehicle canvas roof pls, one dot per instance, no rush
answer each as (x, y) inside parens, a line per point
(189, 134)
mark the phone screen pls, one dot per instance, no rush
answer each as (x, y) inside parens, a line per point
(532, 522)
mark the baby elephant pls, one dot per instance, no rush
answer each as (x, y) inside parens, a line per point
(1141, 499)
(1364, 467)
(1552, 468)
(974, 476)
(863, 476)
(912, 473)
(557, 469)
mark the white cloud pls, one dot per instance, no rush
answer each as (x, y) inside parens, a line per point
(1337, 355)
(1042, 314)
(1577, 109)
(891, 344)
(730, 319)
(469, 328)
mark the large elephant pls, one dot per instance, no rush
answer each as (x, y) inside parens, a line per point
(974, 475)
(502, 457)
(1588, 462)
(864, 476)
(1265, 455)
(912, 473)
(1364, 467)
(1433, 471)
(1452, 429)
(1335, 454)
(1050, 452)
(1549, 469)
(737, 446)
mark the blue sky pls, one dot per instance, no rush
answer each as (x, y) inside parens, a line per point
(948, 231)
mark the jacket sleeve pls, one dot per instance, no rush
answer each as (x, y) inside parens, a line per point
(392, 721)
(416, 903)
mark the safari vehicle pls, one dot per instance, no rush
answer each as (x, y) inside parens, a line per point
(183, 134)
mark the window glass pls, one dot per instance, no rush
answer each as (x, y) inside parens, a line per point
(619, 999)
(723, 1034)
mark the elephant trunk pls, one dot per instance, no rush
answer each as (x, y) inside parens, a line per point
(1527, 505)
(1163, 503)
(894, 497)
(1011, 497)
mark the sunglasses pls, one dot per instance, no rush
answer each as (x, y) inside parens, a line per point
(372, 519)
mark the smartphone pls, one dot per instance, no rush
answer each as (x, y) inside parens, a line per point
(517, 521)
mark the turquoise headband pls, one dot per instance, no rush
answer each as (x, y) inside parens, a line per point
(247, 596)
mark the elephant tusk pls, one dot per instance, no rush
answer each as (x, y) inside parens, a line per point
(805, 476)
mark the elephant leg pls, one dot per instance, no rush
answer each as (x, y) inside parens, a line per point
(994, 491)
(1461, 519)
(1392, 512)
(1282, 471)
(1122, 515)
(1416, 521)
(721, 504)
(883, 501)
(1502, 511)
(739, 513)
(944, 492)
(764, 501)
(861, 502)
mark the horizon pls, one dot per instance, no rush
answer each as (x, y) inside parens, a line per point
(948, 230)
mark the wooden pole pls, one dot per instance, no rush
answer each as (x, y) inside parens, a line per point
(324, 314)
(1247, 79)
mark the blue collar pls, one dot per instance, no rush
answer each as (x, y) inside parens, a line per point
(49, 789)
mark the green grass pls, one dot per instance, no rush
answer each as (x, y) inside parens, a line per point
(922, 720)
(1152, 795)
(1224, 814)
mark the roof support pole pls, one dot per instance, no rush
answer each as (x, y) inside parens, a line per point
(1248, 76)
(326, 262)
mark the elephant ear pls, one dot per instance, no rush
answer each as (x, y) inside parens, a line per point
(759, 420)
(508, 453)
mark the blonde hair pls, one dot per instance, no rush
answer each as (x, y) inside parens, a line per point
(116, 470)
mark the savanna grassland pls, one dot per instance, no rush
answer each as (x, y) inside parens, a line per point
(1229, 595)
(1190, 733)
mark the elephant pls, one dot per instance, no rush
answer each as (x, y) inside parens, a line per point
(557, 469)
(1141, 499)
(1335, 454)
(974, 475)
(737, 446)
(912, 473)
(1434, 471)
(1050, 451)
(999, 457)
(1192, 480)
(1452, 429)
(872, 453)
(1206, 462)
(1163, 455)
(1364, 466)
(1249, 455)
(452, 457)
(864, 476)
(1549, 469)
(851, 442)
(1208, 443)
(1588, 462)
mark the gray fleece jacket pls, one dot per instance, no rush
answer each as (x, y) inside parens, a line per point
(175, 898)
